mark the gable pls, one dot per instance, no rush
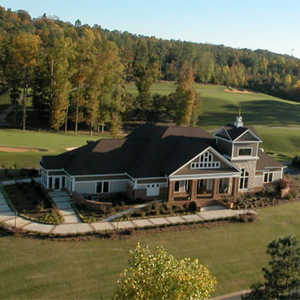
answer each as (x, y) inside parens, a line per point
(223, 134)
(208, 161)
(248, 136)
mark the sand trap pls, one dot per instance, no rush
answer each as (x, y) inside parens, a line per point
(236, 91)
(21, 149)
(71, 148)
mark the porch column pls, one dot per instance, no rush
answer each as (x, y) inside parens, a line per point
(171, 191)
(215, 188)
(235, 187)
(194, 190)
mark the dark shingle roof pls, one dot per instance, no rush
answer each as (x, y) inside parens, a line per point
(266, 161)
(234, 132)
(149, 151)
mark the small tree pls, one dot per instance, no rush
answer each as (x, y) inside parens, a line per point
(159, 275)
(282, 278)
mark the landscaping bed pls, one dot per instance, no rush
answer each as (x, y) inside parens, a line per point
(31, 202)
(269, 196)
(90, 215)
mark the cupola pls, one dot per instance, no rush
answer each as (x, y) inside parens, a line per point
(239, 121)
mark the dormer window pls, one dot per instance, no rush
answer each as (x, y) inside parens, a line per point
(206, 161)
(245, 151)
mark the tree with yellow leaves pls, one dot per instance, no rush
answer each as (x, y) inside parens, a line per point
(155, 274)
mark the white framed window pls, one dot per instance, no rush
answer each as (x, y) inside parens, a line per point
(206, 161)
(102, 187)
(244, 180)
(268, 177)
(181, 186)
(245, 151)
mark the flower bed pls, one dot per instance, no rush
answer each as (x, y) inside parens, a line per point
(31, 202)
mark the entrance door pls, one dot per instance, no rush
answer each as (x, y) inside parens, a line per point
(152, 189)
(57, 183)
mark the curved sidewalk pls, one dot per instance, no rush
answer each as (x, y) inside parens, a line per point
(74, 226)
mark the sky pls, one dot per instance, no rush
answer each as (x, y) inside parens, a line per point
(266, 24)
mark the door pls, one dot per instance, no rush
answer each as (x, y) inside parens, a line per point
(152, 190)
(57, 183)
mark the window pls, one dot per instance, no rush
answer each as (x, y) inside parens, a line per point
(268, 177)
(181, 186)
(206, 161)
(224, 186)
(204, 186)
(244, 179)
(176, 188)
(245, 151)
(102, 187)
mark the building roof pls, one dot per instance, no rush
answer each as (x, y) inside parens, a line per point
(233, 133)
(149, 151)
(265, 162)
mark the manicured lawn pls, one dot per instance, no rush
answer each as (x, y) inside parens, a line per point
(265, 113)
(235, 253)
(53, 142)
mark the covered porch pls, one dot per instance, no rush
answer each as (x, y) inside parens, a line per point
(204, 191)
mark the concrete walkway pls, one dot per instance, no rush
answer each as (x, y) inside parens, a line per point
(72, 224)
(63, 203)
(129, 210)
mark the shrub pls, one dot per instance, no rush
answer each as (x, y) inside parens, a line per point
(192, 206)
(296, 161)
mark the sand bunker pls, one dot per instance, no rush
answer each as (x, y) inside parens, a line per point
(236, 91)
(21, 149)
(71, 148)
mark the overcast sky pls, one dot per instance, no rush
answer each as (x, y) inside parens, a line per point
(266, 24)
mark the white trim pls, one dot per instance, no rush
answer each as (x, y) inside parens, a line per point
(190, 161)
(221, 138)
(117, 174)
(251, 151)
(150, 178)
(268, 176)
(204, 176)
(230, 140)
(237, 158)
(209, 148)
(93, 181)
(248, 130)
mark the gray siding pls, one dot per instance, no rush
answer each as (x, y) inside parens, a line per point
(236, 148)
(250, 167)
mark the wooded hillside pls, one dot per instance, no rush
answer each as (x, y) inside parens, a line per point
(78, 73)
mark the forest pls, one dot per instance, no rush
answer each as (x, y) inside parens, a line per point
(77, 75)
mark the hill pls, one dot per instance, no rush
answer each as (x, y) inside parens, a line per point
(275, 120)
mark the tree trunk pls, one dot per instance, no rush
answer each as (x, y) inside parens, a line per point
(102, 128)
(24, 108)
(91, 129)
(76, 117)
(66, 119)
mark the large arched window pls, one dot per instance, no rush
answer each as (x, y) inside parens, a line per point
(244, 180)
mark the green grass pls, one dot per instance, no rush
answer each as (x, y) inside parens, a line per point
(265, 113)
(235, 253)
(53, 142)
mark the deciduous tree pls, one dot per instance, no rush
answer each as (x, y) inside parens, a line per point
(156, 274)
